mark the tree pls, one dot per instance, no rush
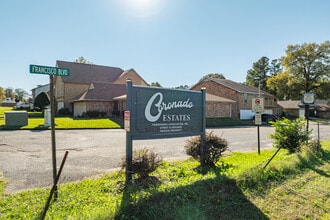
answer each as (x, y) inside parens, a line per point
(2, 94)
(213, 75)
(182, 87)
(290, 135)
(9, 92)
(282, 86)
(259, 73)
(155, 84)
(323, 91)
(21, 94)
(81, 59)
(275, 67)
(308, 66)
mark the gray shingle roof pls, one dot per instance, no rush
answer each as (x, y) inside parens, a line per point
(102, 91)
(289, 104)
(86, 73)
(214, 98)
(241, 88)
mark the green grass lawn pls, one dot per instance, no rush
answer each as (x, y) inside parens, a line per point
(36, 121)
(295, 186)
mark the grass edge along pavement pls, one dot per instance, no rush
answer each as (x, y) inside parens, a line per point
(36, 122)
(293, 186)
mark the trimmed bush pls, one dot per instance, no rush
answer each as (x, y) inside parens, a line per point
(144, 162)
(214, 147)
(64, 111)
(41, 101)
(93, 113)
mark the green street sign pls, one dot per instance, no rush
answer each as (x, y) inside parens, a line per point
(48, 70)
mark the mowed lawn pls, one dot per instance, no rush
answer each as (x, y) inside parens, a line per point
(36, 121)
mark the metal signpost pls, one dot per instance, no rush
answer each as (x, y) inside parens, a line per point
(258, 108)
(51, 71)
(154, 113)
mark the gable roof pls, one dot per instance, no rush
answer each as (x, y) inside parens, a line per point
(209, 98)
(102, 91)
(126, 74)
(86, 73)
(214, 98)
(290, 104)
(239, 87)
(322, 107)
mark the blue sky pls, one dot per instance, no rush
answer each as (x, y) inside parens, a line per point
(173, 42)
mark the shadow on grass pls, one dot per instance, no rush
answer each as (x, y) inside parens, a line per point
(217, 169)
(9, 128)
(217, 198)
(41, 127)
(15, 128)
(314, 160)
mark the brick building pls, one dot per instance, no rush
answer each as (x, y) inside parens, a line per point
(92, 87)
(240, 94)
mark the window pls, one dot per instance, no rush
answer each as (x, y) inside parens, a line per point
(245, 98)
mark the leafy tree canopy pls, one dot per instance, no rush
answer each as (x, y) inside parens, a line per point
(82, 59)
(155, 84)
(213, 75)
(17, 94)
(308, 65)
(2, 94)
(9, 92)
(261, 71)
(282, 87)
(21, 94)
(182, 87)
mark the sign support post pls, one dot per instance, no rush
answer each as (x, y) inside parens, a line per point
(258, 107)
(52, 123)
(203, 136)
(129, 141)
(258, 139)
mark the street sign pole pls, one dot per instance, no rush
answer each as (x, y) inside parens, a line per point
(129, 140)
(258, 108)
(52, 110)
(258, 122)
(258, 139)
(51, 71)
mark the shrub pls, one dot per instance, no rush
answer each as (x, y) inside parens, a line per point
(93, 113)
(41, 101)
(64, 111)
(115, 113)
(290, 135)
(214, 147)
(144, 162)
(103, 114)
(313, 146)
